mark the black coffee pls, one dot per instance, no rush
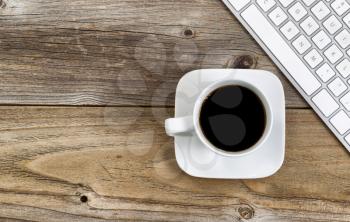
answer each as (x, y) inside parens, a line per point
(233, 118)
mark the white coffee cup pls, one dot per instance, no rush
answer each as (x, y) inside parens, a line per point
(191, 124)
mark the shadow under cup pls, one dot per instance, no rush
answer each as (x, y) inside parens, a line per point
(233, 118)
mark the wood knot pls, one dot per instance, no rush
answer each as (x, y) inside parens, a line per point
(2, 4)
(246, 212)
(189, 33)
(84, 199)
(243, 62)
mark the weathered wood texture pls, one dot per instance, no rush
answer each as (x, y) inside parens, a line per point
(121, 160)
(115, 163)
(74, 52)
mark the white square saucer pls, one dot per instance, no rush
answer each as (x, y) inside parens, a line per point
(199, 161)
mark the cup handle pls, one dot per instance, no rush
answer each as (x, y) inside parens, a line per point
(177, 126)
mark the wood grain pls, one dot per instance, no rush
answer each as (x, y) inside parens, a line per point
(74, 52)
(121, 160)
(111, 161)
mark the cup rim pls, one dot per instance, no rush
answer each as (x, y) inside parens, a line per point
(211, 88)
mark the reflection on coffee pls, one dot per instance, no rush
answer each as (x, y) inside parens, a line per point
(233, 118)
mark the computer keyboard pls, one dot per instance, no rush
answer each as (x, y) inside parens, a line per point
(309, 40)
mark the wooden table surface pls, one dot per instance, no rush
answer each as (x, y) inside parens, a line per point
(85, 87)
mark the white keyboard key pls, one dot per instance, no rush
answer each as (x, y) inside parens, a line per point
(308, 2)
(313, 58)
(278, 16)
(340, 6)
(321, 40)
(301, 44)
(343, 38)
(346, 19)
(333, 53)
(325, 102)
(337, 87)
(297, 11)
(348, 52)
(344, 68)
(266, 4)
(286, 3)
(346, 101)
(325, 72)
(309, 25)
(347, 139)
(320, 10)
(290, 30)
(332, 24)
(273, 40)
(239, 4)
(341, 122)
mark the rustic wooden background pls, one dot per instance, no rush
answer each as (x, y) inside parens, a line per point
(85, 86)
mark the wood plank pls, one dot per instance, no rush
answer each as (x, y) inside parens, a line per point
(99, 164)
(117, 52)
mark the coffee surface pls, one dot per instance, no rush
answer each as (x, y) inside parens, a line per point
(233, 118)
